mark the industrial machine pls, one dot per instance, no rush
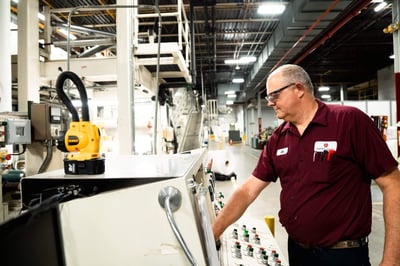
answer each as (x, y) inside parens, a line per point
(146, 210)
(82, 139)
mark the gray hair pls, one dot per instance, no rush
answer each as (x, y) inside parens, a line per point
(294, 73)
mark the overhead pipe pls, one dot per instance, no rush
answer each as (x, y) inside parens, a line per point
(106, 7)
(353, 13)
(86, 42)
(94, 50)
(82, 29)
(307, 32)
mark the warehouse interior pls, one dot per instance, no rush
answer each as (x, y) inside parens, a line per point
(166, 78)
(343, 33)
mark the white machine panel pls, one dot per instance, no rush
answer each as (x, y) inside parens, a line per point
(129, 226)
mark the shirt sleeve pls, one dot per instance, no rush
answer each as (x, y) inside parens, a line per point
(264, 169)
(370, 149)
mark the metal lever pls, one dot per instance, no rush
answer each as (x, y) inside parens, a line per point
(170, 199)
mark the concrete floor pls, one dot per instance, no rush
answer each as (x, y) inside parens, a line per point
(244, 158)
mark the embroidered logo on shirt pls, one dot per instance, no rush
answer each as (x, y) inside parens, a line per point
(282, 151)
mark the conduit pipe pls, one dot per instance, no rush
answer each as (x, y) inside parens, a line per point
(307, 32)
(354, 12)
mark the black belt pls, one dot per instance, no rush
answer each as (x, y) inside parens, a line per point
(341, 244)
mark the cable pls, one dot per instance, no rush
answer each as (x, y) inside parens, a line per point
(22, 152)
(49, 155)
(67, 101)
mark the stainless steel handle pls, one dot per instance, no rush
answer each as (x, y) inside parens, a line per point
(170, 199)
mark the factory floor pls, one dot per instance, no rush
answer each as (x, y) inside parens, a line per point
(244, 158)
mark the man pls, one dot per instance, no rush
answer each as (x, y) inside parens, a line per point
(220, 163)
(325, 157)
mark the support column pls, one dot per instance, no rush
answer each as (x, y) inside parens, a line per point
(396, 46)
(29, 72)
(28, 54)
(125, 78)
(5, 58)
(5, 75)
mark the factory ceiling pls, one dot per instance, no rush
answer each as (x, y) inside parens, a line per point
(340, 43)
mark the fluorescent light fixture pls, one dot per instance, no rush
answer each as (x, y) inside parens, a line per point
(271, 9)
(230, 92)
(241, 61)
(229, 102)
(380, 6)
(238, 80)
(231, 96)
(323, 88)
(249, 59)
(325, 96)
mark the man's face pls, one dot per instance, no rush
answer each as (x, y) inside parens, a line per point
(280, 96)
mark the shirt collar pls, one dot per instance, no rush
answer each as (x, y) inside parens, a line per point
(321, 116)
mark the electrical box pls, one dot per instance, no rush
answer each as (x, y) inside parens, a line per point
(15, 131)
(46, 121)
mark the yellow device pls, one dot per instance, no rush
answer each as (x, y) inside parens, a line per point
(82, 139)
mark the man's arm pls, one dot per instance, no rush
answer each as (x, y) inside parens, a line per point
(237, 204)
(389, 183)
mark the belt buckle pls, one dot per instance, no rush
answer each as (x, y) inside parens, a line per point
(350, 243)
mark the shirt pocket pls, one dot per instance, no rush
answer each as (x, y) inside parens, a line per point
(322, 168)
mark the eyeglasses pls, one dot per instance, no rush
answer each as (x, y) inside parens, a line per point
(273, 96)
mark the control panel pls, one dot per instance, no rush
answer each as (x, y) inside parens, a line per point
(249, 242)
(15, 131)
(46, 121)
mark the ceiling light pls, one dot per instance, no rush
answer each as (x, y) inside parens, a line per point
(271, 9)
(241, 61)
(249, 59)
(392, 56)
(325, 96)
(231, 96)
(229, 102)
(238, 80)
(230, 92)
(323, 88)
(380, 6)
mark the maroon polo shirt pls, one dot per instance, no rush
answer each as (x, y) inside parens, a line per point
(326, 174)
